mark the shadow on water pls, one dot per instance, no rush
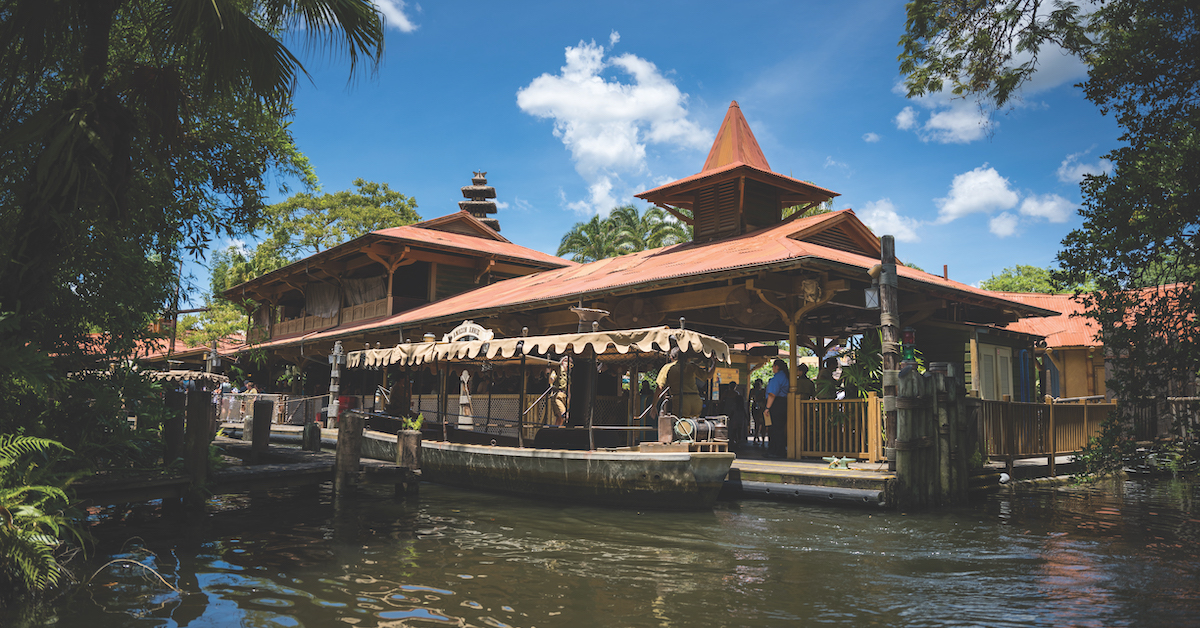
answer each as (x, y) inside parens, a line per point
(1108, 554)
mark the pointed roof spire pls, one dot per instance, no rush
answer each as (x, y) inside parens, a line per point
(735, 143)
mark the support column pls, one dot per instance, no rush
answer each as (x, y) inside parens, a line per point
(889, 325)
(263, 410)
(198, 436)
(793, 377)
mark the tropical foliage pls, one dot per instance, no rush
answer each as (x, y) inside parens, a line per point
(132, 132)
(1138, 240)
(1022, 278)
(32, 520)
(623, 231)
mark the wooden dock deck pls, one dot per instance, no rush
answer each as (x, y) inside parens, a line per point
(863, 484)
(283, 466)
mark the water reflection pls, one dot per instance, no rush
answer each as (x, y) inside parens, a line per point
(1117, 553)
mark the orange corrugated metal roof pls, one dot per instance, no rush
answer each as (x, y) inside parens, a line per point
(735, 143)
(415, 234)
(763, 249)
(1065, 330)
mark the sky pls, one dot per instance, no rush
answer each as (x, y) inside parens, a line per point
(572, 108)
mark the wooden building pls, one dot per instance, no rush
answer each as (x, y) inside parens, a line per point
(754, 272)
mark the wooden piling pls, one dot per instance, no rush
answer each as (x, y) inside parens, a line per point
(311, 438)
(173, 435)
(408, 456)
(889, 327)
(1051, 438)
(199, 402)
(942, 396)
(261, 430)
(349, 452)
(908, 473)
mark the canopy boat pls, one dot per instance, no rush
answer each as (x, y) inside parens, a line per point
(501, 434)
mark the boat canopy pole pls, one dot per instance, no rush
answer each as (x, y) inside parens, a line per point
(521, 417)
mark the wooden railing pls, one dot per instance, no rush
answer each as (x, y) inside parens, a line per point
(851, 428)
(303, 324)
(1013, 431)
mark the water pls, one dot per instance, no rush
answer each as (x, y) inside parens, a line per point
(1118, 553)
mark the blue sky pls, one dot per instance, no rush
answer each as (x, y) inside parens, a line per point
(572, 108)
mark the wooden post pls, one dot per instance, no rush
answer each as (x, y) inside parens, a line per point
(908, 473)
(311, 439)
(444, 401)
(349, 452)
(942, 386)
(173, 427)
(261, 430)
(408, 456)
(198, 436)
(521, 402)
(889, 326)
(874, 428)
(590, 399)
(1052, 437)
(793, 414)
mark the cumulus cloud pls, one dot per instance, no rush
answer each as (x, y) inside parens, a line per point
(981, 190)
(394, 15)
(1072, 169)
(830, 162)
(881, 216)
(871, 138)
(906, 119)
(1052, 207)
(1003, 225)
(606, 124)
(613, 38)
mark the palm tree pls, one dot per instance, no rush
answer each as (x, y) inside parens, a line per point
(650, 230)
(590, 241)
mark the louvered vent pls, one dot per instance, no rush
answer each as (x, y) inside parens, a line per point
(716, 212)
(837, 238)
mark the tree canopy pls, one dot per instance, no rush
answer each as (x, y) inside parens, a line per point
(1023, 278)
(623, 231)
(133, 132)
(1141, 221)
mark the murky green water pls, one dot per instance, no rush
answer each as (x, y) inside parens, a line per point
(1117, 553)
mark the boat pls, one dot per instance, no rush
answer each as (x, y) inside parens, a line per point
(608, 451)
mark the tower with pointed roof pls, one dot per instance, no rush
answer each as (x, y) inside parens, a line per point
(736, 192)
(478, 202)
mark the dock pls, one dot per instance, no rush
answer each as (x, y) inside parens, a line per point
(283, 466)
(863, 484)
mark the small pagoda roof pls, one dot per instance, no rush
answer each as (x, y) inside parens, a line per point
(735, 153)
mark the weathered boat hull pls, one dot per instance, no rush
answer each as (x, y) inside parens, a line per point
(627, 478)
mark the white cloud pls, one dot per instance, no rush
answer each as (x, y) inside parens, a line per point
(1052, 207)
(607, 124)
(881, 216)
(830, 162)
(613, 38)
(981, 190)
(1003, 225)
(1072, 170)
(906, 119)
(871, 138)
(394, 15)
(951, 120)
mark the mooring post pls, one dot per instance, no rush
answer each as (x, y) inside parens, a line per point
(173, 426)
(408, 456)
(908, 473)
(261, 434)
(312, 436)
(943, 386)
(198, 436)
(349, 452)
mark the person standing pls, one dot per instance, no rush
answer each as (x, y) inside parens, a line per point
(758, 404)
(777, 392)
(559, 377)
(679, 378)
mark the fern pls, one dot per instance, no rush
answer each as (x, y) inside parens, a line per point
(32, 525)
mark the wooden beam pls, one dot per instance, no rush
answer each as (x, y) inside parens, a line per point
(483, 267)
(692, 300)
(676, 213)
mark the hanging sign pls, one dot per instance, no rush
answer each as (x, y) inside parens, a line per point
(469, 331)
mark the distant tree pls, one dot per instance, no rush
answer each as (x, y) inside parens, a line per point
(1021, 278)
(651, 229)
(823, 207)
(307, 223)
(589, 241)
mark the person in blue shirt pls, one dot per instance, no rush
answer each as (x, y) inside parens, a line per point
(777, 392)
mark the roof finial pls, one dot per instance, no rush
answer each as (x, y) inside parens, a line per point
(479, 206)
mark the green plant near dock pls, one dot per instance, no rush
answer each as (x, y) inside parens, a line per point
(412, 423)
(36, 530)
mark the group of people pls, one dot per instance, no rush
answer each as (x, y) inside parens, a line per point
(768, 406)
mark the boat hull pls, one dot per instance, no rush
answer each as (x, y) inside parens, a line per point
(626, 478)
